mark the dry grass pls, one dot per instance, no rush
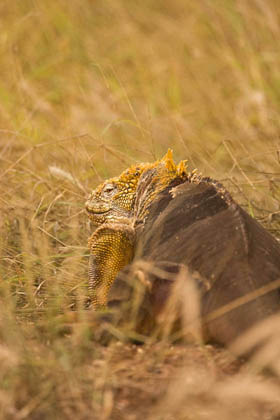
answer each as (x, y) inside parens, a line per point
(86, 89)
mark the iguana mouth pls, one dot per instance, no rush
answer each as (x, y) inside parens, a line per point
(96, 210)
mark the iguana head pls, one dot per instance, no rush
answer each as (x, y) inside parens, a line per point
(113, 201)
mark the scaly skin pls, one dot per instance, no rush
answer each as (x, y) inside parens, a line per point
(116, 206)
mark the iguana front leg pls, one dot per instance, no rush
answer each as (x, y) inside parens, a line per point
(111, 248)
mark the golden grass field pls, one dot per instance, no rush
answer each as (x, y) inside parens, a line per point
(86, 89)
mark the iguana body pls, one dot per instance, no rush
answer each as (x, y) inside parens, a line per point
(174, 220)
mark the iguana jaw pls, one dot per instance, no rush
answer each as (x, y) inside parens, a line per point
(96, 209)
(100, 214)
(97, 212)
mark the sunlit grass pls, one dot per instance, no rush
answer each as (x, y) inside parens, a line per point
(89, 88)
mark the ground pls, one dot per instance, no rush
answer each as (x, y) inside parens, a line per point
(87, 90)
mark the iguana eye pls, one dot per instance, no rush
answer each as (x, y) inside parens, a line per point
(109, 189)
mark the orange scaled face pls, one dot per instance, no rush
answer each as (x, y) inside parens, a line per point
(113, 201)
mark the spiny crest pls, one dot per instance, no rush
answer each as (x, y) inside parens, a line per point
(128, 179)
(180, 169)
(168, 161)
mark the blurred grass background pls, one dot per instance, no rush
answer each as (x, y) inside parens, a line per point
(86, 89)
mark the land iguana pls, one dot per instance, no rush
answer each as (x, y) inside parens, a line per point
(174, 219)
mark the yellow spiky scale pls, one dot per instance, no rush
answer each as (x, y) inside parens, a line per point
(182, 168)
(168, 161)
(131, 175)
